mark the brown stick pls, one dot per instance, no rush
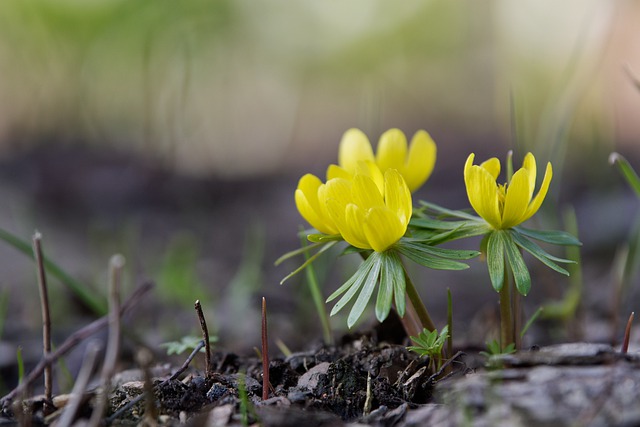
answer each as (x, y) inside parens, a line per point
(80, 386)
(627, 334)
(73, 340)
(145, 358)
(265, 352)
(205, 338)
(46, 318)
(116, 264)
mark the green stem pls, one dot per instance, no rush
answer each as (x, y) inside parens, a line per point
(318, 300)
(506, 315)
(449, 323)
(416, 302)
(517, 317)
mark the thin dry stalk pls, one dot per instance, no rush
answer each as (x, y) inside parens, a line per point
(627, 334)
(46, 318)
(205, 338)
(145, 358)
(116, 265)
(73, 340)
(265, 352)
(80, 386)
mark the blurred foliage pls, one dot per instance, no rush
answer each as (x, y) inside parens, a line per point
(186, 343)
(224, 85)
(177, 276)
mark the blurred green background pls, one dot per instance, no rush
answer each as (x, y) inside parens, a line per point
(175, 132)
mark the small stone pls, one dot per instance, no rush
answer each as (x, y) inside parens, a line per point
(311, 378)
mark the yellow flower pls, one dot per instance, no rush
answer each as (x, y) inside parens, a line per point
(415, 163)
(505, 205)
(311, 203)
(366, 216)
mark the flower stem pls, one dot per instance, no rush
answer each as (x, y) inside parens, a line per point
(517, 318)
(418, 305)
(317, 297)
(506, 315)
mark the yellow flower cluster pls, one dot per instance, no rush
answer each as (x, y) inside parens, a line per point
(367, 198)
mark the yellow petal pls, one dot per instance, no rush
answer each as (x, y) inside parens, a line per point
(354, 148)
(338, 190)
(337, 197)
(353, 231)
(392, 150)
(492, 166)
(529, 163)
(467, 165)
(517, 198)
(335, 171)
(382, 228)
(365, 192)
(482, 191)
(397, 196)
(420, 161)
(371, 170)
(306, 198)
(537, 201)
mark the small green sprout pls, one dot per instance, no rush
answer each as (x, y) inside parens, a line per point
(430, 344)
(494, 349)
(186, 343)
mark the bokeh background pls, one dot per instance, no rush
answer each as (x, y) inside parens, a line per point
(175, 132)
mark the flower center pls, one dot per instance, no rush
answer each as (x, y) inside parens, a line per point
(502, 194)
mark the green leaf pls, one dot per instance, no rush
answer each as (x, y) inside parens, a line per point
(495, 259)
(518, 267)
(432, 257)
(535, 250)
(439, 252)
(309, 260)
(471, 229)
(298, 251)
(186, 343)
(532, 319)
(429, 343)
(352, 285)
(320, 238)
(399, 286)
(436, 224)
(449, 212)
(367, 290)
(554, 237)
(83, 292)
(494, 349)
(428, 260)
(390, 274)
(626, 170)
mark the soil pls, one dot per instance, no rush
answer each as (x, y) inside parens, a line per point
(368, 379)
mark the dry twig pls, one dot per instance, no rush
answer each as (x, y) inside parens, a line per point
(116, 265)
(265, 352)
(627, 334)
(205, 338)
(80, 386)
(46, 318)
(73, 340)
